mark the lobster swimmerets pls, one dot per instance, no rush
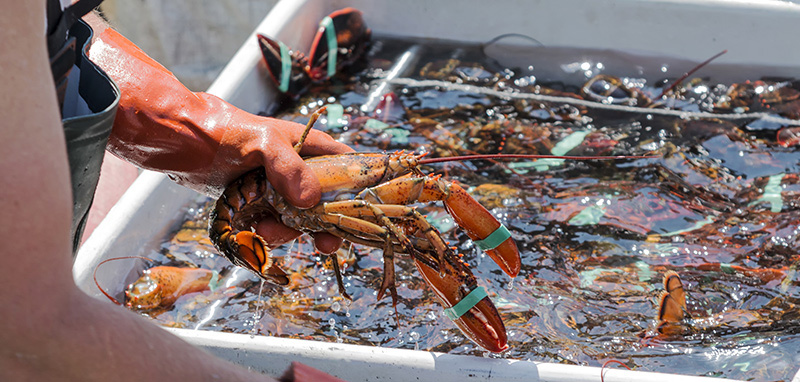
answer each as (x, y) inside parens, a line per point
(378, 217)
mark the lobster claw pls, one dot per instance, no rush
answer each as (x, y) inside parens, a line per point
(286, 67)
(481, 226)
(161, 286)
(340, 40)
(481, 322)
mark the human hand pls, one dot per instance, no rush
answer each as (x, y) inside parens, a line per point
(203, 142)
(286, 171)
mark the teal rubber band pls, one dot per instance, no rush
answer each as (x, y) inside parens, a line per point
(333, 45)
(726, 268)
(335, 113)
(466, 304)
(213, 284)
(375, 125)
(286, 68)
(494, 239)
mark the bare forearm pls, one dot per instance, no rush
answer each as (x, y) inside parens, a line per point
(50, 329)
(90, 340)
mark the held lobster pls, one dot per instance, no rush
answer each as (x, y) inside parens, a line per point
(378, 217)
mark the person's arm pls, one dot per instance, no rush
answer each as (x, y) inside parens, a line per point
(50, 329)
(202, 141)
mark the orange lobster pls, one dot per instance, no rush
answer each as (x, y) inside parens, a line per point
(378, 217)
(160, 287)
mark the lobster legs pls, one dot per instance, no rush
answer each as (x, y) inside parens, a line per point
(479, 223)
(442, 270)
(350, 220)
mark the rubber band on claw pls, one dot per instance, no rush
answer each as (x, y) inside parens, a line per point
(333, 45)
(286, 68)
(213, 284)
(494, 239)
(466, 303)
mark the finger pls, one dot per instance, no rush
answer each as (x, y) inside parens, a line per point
(327, 243)
(290, 176)
(275, 233)
(319, 143)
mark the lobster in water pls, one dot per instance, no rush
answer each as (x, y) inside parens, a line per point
(341, 39)
(378, 217)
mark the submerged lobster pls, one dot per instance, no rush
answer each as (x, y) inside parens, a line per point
(341, 39)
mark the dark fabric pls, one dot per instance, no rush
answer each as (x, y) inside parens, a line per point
(60, 44)
(59, 22)
(87, 135)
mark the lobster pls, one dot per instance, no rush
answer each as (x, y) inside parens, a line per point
(160, 287)
(378, 217)
(340, 41)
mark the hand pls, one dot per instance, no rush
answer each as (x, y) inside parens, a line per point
(250, 141)
(202, 141)
(287, 172)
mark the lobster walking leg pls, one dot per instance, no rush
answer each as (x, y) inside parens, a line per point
(338, 273)
(479, 223)
(338, 212)
(344, 226)
(449, 277)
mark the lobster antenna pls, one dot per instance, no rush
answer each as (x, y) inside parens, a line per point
(533, 156)
(311, 121)
(689, 73)
(94, 274)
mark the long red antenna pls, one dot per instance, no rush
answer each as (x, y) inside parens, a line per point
(532, 156)
(94, 274)
(689, 73)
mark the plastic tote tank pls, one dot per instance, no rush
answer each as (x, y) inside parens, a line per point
(756, 33)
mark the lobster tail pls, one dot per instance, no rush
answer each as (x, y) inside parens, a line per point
(672, 306)
(253, 251)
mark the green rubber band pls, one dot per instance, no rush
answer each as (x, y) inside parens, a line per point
(375, 125)
(772, 193)
(335, 113)
(726, 268)
(494, 239)
(333, 45)
(213, 284)
(286, 68)
(561, 148)
(466, 303)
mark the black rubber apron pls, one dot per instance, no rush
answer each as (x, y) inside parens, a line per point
(86, 135)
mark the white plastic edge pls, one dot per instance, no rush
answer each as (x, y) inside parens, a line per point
(367, 363)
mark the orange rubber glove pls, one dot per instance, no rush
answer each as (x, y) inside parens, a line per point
(203, 142)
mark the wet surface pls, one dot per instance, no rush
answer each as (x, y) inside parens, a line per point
(719, 203)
